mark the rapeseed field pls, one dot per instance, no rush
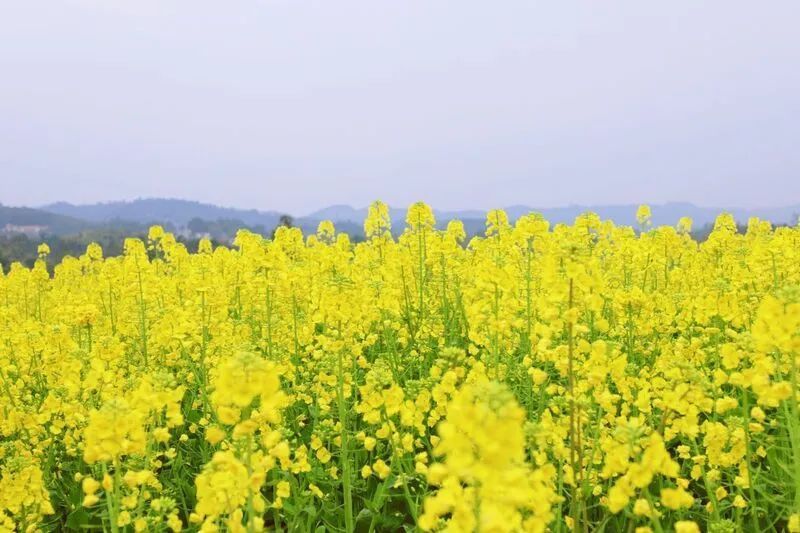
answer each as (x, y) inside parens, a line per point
(583, 377)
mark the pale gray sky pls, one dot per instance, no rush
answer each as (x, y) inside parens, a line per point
(294, 105)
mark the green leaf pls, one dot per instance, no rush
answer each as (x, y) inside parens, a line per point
(364, 514)
(77, 519)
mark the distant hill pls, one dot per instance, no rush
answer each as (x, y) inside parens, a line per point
(162, 210)
(663, 214)
(68, 228)
(46, 222)
(64, 217)
(667, 214)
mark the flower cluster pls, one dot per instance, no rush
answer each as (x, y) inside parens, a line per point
(485, 482)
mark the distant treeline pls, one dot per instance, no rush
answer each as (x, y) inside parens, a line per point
(23, 248)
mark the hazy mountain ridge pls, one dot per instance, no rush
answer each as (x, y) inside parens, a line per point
(349, 219)
(175, 211)
(22, 217)
(623, 214)
(68, 228)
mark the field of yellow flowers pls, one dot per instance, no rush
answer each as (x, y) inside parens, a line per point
(583, 377)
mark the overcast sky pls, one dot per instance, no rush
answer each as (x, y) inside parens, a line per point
(293, 105)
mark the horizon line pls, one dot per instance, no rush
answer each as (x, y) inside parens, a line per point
(446, 210)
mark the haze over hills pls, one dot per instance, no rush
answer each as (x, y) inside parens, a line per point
(181, 212)
(29, 218)
(668, 213)
(68, 228)
(163, 210)
(63, 218)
